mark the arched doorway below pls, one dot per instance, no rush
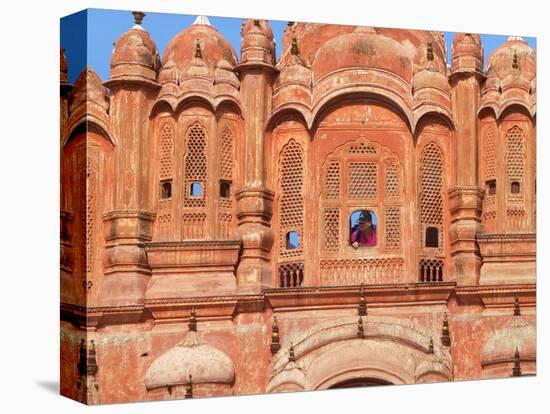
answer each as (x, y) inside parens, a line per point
(359, 382)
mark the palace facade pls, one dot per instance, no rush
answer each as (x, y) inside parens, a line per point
(208, 204)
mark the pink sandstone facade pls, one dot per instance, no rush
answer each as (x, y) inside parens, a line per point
(207, 204)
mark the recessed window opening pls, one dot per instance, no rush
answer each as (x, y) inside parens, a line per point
(166, 189)
(491, 187)
(195, 189)
(432, 237)
(292, 240)
(225, 189)
(362, 229)
(515, 187)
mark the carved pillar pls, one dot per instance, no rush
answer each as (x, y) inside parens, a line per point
(67, 218)
(465, 199)
(129, 221)
(254, 201)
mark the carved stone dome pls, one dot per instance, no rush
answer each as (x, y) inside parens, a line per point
(191, 356)
(182, 49)
(431, 78)
(89, 90)
(364, 48)
(467, 53)
(135, 54)
(514, 55)
(257, 33)
(294, 72)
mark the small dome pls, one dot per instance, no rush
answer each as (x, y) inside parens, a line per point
(191, 356)
(467, 53)
(515, 55)
(224, 74)
(182, 49)
(365, 49)
(431, 78)
(257, 33)
(500, 346)
(257, 43)
(88, 88)
(135, 54)
(294, 71)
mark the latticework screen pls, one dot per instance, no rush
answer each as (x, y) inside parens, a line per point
(227, 159)
(392, 180)
(227, 154)
(431, 186)
(331, 220)
(195, 169)
(363, 179)
(332, 181)
(392, 228)
(166, 151)
(515, 164)
(489, 154)
(291, 185)
(515, 153)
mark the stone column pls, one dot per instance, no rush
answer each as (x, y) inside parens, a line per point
(465, 199)
(254, 200)
(129, 222)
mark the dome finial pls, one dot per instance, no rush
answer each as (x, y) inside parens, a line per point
(445, 338)
(193, 320)
(517, 311)
(92, 360)
(362, 302)
(516, 370)
(515, 64)
(198, 53)
(430, 52)
(275, 344)
(189, 388)
(138, 17)
(294, 49)
(203, 20)
(360, 328)
(291, 356)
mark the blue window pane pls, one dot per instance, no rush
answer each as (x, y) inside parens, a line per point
(196, 189)
(292, 240)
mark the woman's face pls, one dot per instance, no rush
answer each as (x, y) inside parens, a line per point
(365, 225)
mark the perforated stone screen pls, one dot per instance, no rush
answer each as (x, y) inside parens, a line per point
(195, 169)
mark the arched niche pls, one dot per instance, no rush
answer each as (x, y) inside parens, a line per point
(87, 166)
(390, 350)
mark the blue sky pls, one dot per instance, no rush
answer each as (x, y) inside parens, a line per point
(106, 26)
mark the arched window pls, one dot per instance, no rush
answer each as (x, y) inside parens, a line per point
(292, 200)
(431, 213)
(431, 187)
(291, 215)
(195, 167)
(515, 158)
(362, 229)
